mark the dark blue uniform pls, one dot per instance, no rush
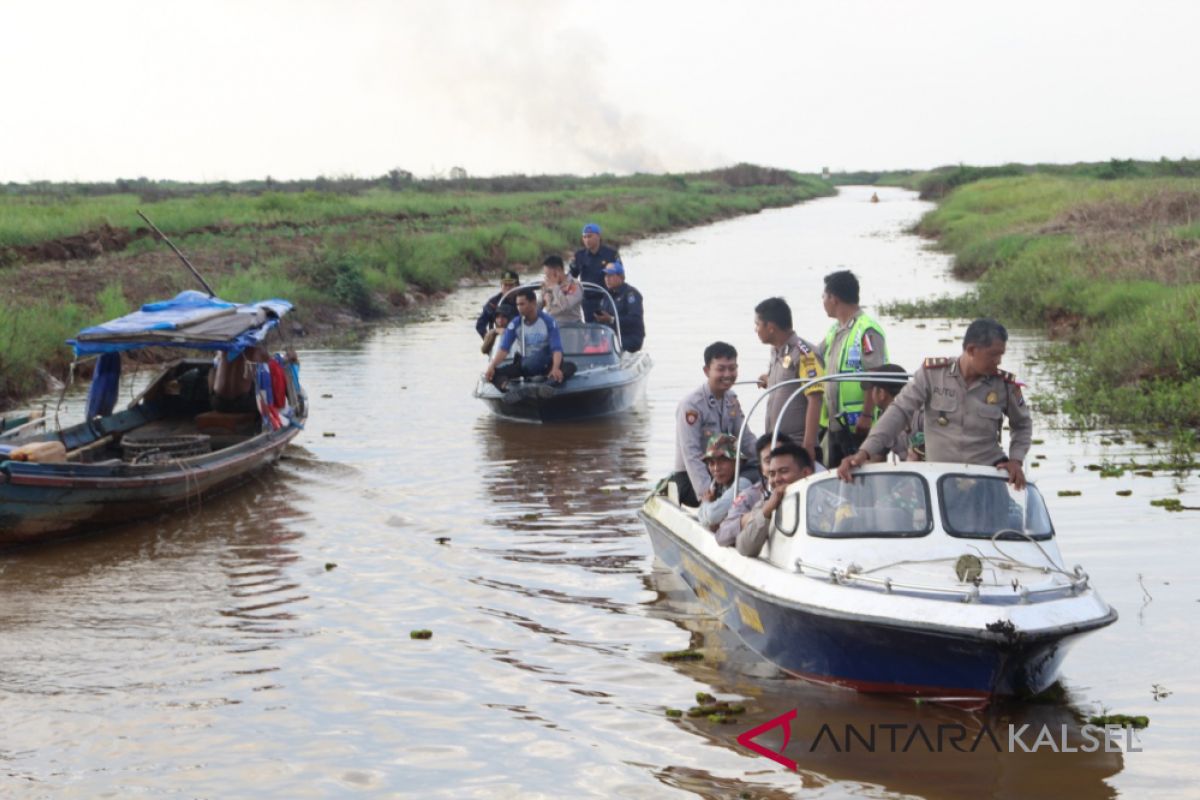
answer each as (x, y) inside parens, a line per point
(487, 318)
(629, 317)
(589, 268)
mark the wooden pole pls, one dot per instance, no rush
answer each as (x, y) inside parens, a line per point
(182, 257)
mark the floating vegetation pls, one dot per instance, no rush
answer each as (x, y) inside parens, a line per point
(705, 699)
(1118, 440)
(1124, 720)
(1112, 472)
(674, 713)
(1039, 441)
(1040, 455)
(1124, 492)
(1145, 473)
(1168, 503)
(1036, 464)
(1093, 467)
(421, 634)
(945, 340)
(442, 540)
(1105, 442)
(1069, 493)
(920, 325)
(529, 517)
(683, 655)
(326, 396)
(720, 719)
(329, 434)
(329, 565)
(720, 709)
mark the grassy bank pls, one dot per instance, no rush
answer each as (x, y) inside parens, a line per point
(71, 255)
(1110, 266)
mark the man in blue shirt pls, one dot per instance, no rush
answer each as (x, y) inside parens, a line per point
(539, 346)
(588, 265)
(629, 322)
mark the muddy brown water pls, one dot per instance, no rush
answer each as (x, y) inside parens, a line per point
(217, 653)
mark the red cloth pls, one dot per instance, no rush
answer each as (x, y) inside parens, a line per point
(278, 385)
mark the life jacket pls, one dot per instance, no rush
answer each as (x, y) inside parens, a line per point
(850, 394)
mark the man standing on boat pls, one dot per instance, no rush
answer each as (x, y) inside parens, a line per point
(508, 281)
(629, 322)
(562, 296)
(854, 343)
(965, 400)
(588, 265)
(713, 408)
(791, 358)
(541, 353)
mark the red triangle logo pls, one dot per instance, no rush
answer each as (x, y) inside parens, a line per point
(747, 739)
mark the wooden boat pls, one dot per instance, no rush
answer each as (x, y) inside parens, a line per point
(169, 448)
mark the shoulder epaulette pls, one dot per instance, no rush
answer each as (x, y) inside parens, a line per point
(1009, 377)
(803, 348)
(938, 363)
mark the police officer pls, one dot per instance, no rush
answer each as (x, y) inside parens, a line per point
(964, 400)
(854, 343)
(588, 265)
(487, 318)
(629, 321)
(712, 408)
(791, 358)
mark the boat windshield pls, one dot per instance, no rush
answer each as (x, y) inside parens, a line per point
(977, 507)
(874, 505)
(588, 343)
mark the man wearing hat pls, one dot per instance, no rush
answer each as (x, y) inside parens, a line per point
(505, 313)
(629, 308)
(721, 457)
(487, 318)
(588, 265)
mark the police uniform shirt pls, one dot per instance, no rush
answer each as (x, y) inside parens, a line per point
(796, 358)
(563, 301)
(962, 425)
(874, 355)
(589, 267)
(699, 416)
(629, 317)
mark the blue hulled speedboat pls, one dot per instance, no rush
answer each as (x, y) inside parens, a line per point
(936, 580)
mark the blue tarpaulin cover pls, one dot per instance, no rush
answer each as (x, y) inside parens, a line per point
(191, 319)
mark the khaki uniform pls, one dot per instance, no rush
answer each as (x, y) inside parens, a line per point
(699, 416)
(962, 425)
(796, 358)
(564, 302)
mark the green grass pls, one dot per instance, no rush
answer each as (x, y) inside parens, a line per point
(1103, 262)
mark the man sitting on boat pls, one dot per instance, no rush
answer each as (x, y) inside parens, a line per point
(487, 318)
(505, 313)
(712, 408)
(964, 400)
(562, 296)
(721, 458)
(629, 320)
(788, 463)
(748, 498)
(541, 351)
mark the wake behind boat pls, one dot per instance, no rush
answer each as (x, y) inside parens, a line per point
(174, 444)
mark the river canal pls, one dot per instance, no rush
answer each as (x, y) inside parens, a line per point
(259, 646)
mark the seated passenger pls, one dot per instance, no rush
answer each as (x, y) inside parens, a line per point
(541, 347)
(720, 456)
(231, 382)
(747, 499)
(562, 296)
(504, 315)
(904, 443)
(487, 318)
(789, 463)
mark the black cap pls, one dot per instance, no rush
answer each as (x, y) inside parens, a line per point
(510, 275)
(506, 310)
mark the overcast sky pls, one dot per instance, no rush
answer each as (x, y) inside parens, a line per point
(243, 89)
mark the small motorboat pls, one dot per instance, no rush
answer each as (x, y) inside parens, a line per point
(169, 448)
(927, 579)
(607, 381)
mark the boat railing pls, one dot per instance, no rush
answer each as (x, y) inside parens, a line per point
(800, 386)
(1078, 582)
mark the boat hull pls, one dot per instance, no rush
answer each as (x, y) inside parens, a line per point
(43, 502)
(870, 654)
(590, 394)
